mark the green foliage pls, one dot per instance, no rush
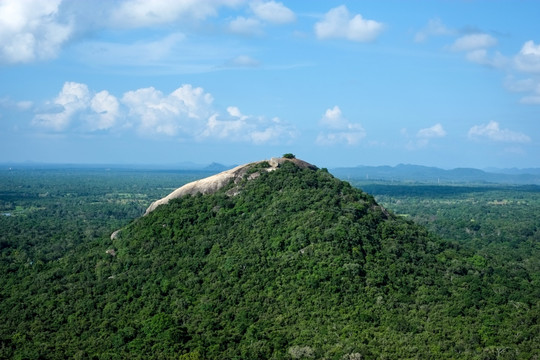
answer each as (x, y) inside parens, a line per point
(297, 265)
(289, 156)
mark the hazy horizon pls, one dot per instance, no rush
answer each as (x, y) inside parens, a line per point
(190, 165)
(338, 83)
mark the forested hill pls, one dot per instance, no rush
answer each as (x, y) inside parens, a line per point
(292, 264)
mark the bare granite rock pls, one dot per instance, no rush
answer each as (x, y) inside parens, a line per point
(216, 182)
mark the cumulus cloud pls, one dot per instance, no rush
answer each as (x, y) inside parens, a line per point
(493, 132)
(34, 30)
(247, 128)
(436, 131)
(482, 57)
(339, 23)
(472, 42)
(186, 113)
(434, 27)
(184, 110)
(273, 12)
(73, 98)
(104, 111)
(268, 12)
(528, 59)
(31, 30)
(424, 136)
(337, 129)
(75, 102)
(476, 48)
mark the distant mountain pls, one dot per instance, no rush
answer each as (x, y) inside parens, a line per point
(217, 167)
(181, 166)
(514, 171)
(426, 174)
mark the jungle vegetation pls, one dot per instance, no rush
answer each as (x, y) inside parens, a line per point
(298, 265)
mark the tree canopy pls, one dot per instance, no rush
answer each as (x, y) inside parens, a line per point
(297, 264)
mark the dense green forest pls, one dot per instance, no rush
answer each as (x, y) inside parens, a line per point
(298, 265)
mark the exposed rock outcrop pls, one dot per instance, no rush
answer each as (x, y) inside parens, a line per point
(216, 182)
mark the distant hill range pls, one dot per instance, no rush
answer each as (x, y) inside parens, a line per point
(399, 173)
(426, 174)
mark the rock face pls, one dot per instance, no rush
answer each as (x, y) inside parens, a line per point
(213, 183)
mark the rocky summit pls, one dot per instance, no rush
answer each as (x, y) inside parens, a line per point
(214, 183)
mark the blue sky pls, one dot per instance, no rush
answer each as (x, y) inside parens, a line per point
(338, 83)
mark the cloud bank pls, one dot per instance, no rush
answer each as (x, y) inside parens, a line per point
(187, 113)
(35, 30)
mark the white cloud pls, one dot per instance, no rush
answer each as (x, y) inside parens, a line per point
(528, 59)
(235, 112)
(31, 30)
(105, 110)
(273, 12)
(75, 102)
(436, 131)
(529, 85)
(337, 129)
(185, 110)
(187, 113)
(247, 128)
(481, 56)
(476, 48)
(339, 23)
(143, 13)
(73, 98)
(269, 12)
(246, 26)
(473, 42)
(333, 119)
(492, 131)
(424, 136)
(434, 27)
